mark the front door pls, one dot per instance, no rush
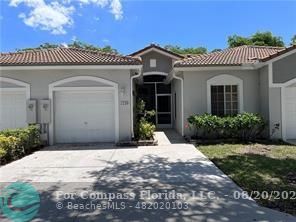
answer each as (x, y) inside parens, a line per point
(163, 110)
(157, 96)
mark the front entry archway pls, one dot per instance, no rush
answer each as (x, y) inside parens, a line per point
(157, 96)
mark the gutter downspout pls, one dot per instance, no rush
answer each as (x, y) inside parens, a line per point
(132, 101)
(182, 101)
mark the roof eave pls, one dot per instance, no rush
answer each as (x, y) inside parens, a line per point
(156, 48)
(76, 66)
(280, 53)
(216, 67)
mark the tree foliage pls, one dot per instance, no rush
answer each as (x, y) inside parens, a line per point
(235, 40)
(74, 44)
(83, 45)
(259, 38)
(180, 50)
(216, 50)
(42, 46)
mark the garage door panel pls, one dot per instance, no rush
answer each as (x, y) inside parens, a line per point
(290, 112)
(86, 116)
(13, 110)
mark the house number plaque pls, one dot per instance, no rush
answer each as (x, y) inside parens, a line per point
(124, 103)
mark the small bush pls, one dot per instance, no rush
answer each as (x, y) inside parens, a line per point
(16, 143)
(10, 148)
(144, 128)
(245, 126)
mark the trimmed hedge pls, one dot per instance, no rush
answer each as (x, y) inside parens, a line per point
(16, 143)
(245, 126)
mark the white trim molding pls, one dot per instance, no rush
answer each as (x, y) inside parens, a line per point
(225, 79)
(182, 101)
(54, 87)
(132, 101)
(23, 86)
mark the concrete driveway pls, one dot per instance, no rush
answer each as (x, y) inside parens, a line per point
(164, 183)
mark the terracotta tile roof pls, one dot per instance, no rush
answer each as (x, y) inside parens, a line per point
(232, 56)
(159, 48)
(65, 56)
(288, 49)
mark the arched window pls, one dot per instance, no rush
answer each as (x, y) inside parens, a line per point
(225, 95)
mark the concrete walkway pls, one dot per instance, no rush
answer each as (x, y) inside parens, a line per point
(183, 185)
(168, 136)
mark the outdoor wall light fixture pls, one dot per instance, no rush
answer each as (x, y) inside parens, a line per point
(31, 106)
(45, 107)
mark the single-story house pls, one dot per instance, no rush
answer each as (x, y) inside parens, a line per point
(79, 95)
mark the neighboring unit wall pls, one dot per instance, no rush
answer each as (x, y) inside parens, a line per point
(195, 90)
(163, 63)
(264, 96)
(275, 114)
(177, 107)
(40, 79)
(284, 69)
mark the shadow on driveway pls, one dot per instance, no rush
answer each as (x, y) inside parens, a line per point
(185, 186)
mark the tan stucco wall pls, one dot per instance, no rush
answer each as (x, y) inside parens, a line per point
(40, 79)
(195, 90)
(284, 69)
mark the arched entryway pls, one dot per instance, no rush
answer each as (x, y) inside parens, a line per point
(157, 95)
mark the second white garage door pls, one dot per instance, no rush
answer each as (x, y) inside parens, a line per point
(84, 116)
(290, 109)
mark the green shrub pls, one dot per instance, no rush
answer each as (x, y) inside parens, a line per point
(10, 148)
(245, 126)
(249, 125)
(205, 125)
(144, 128)
(16, 143)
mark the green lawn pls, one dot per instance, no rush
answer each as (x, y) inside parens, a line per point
(259, 167)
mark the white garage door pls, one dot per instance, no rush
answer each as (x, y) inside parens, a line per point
(84, 116)
(12, 109)
(290, 109)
